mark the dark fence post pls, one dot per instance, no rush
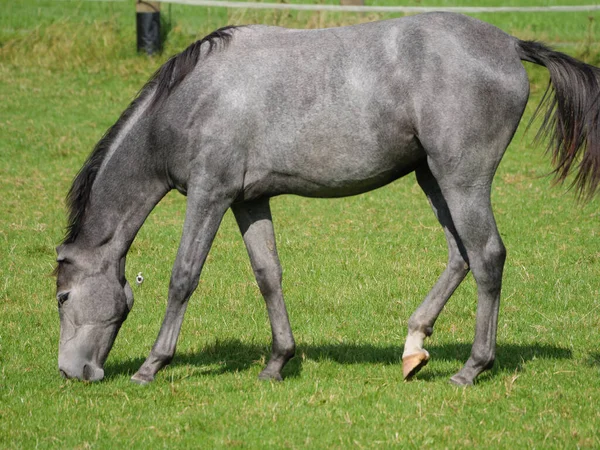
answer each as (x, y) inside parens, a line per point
(148, 26)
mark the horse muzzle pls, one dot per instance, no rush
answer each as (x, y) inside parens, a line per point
(87, 372)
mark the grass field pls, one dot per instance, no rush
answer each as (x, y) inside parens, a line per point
(354, 270)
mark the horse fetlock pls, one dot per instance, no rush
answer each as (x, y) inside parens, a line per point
(481, 359)
(279, 358)
(157, 361)
(486, 364)
(466, 376)
(273, 369)
(419, 326)
(414, 342)
(284, 353)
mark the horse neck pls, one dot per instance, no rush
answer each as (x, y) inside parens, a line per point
(127, 187)
(120, 203)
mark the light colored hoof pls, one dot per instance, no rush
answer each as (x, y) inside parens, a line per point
(411, 364)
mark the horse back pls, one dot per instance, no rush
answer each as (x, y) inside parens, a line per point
(338, 111)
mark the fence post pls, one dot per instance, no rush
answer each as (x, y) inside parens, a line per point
(148, 26)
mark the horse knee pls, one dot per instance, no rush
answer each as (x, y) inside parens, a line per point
(268, 279)
(182, 286)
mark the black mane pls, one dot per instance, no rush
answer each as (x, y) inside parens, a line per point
(164, 81)
(172, 73)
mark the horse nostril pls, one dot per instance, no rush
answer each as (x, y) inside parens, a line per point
(63, 374)
(92, 373)
(87, 372)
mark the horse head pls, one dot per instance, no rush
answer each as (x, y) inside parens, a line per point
(94, 299)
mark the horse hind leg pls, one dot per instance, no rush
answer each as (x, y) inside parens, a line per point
(467, 193)
(256, 225)
(472, 213)
(420, 324)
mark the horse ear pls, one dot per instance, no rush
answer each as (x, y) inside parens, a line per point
(128, 295)
(63, 253)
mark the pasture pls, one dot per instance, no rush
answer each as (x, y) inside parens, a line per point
(354, 269)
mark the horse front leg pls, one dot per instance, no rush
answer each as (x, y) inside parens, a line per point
(203, 216)
(420, 324)
(256, 226)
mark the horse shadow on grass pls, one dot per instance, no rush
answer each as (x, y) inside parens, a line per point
(594, 359)
(236, 356)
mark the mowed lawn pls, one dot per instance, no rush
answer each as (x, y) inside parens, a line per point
(354, 270)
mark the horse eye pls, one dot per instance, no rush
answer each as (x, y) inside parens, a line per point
(62, 297)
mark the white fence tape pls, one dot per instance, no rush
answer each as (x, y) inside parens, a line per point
(352, 8)
(388, 9)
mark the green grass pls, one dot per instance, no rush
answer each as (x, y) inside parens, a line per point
(354, 270)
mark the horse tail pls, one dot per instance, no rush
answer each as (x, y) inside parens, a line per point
(571, 108)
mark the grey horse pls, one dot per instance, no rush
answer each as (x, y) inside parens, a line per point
(248, 113)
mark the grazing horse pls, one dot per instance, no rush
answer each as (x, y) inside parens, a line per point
(248, 113)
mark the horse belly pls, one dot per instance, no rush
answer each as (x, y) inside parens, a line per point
(329, 122)
(340, 167)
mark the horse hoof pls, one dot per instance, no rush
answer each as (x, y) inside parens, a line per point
(141, 379)
(270, 376)
(459, 380)
(411, 364)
